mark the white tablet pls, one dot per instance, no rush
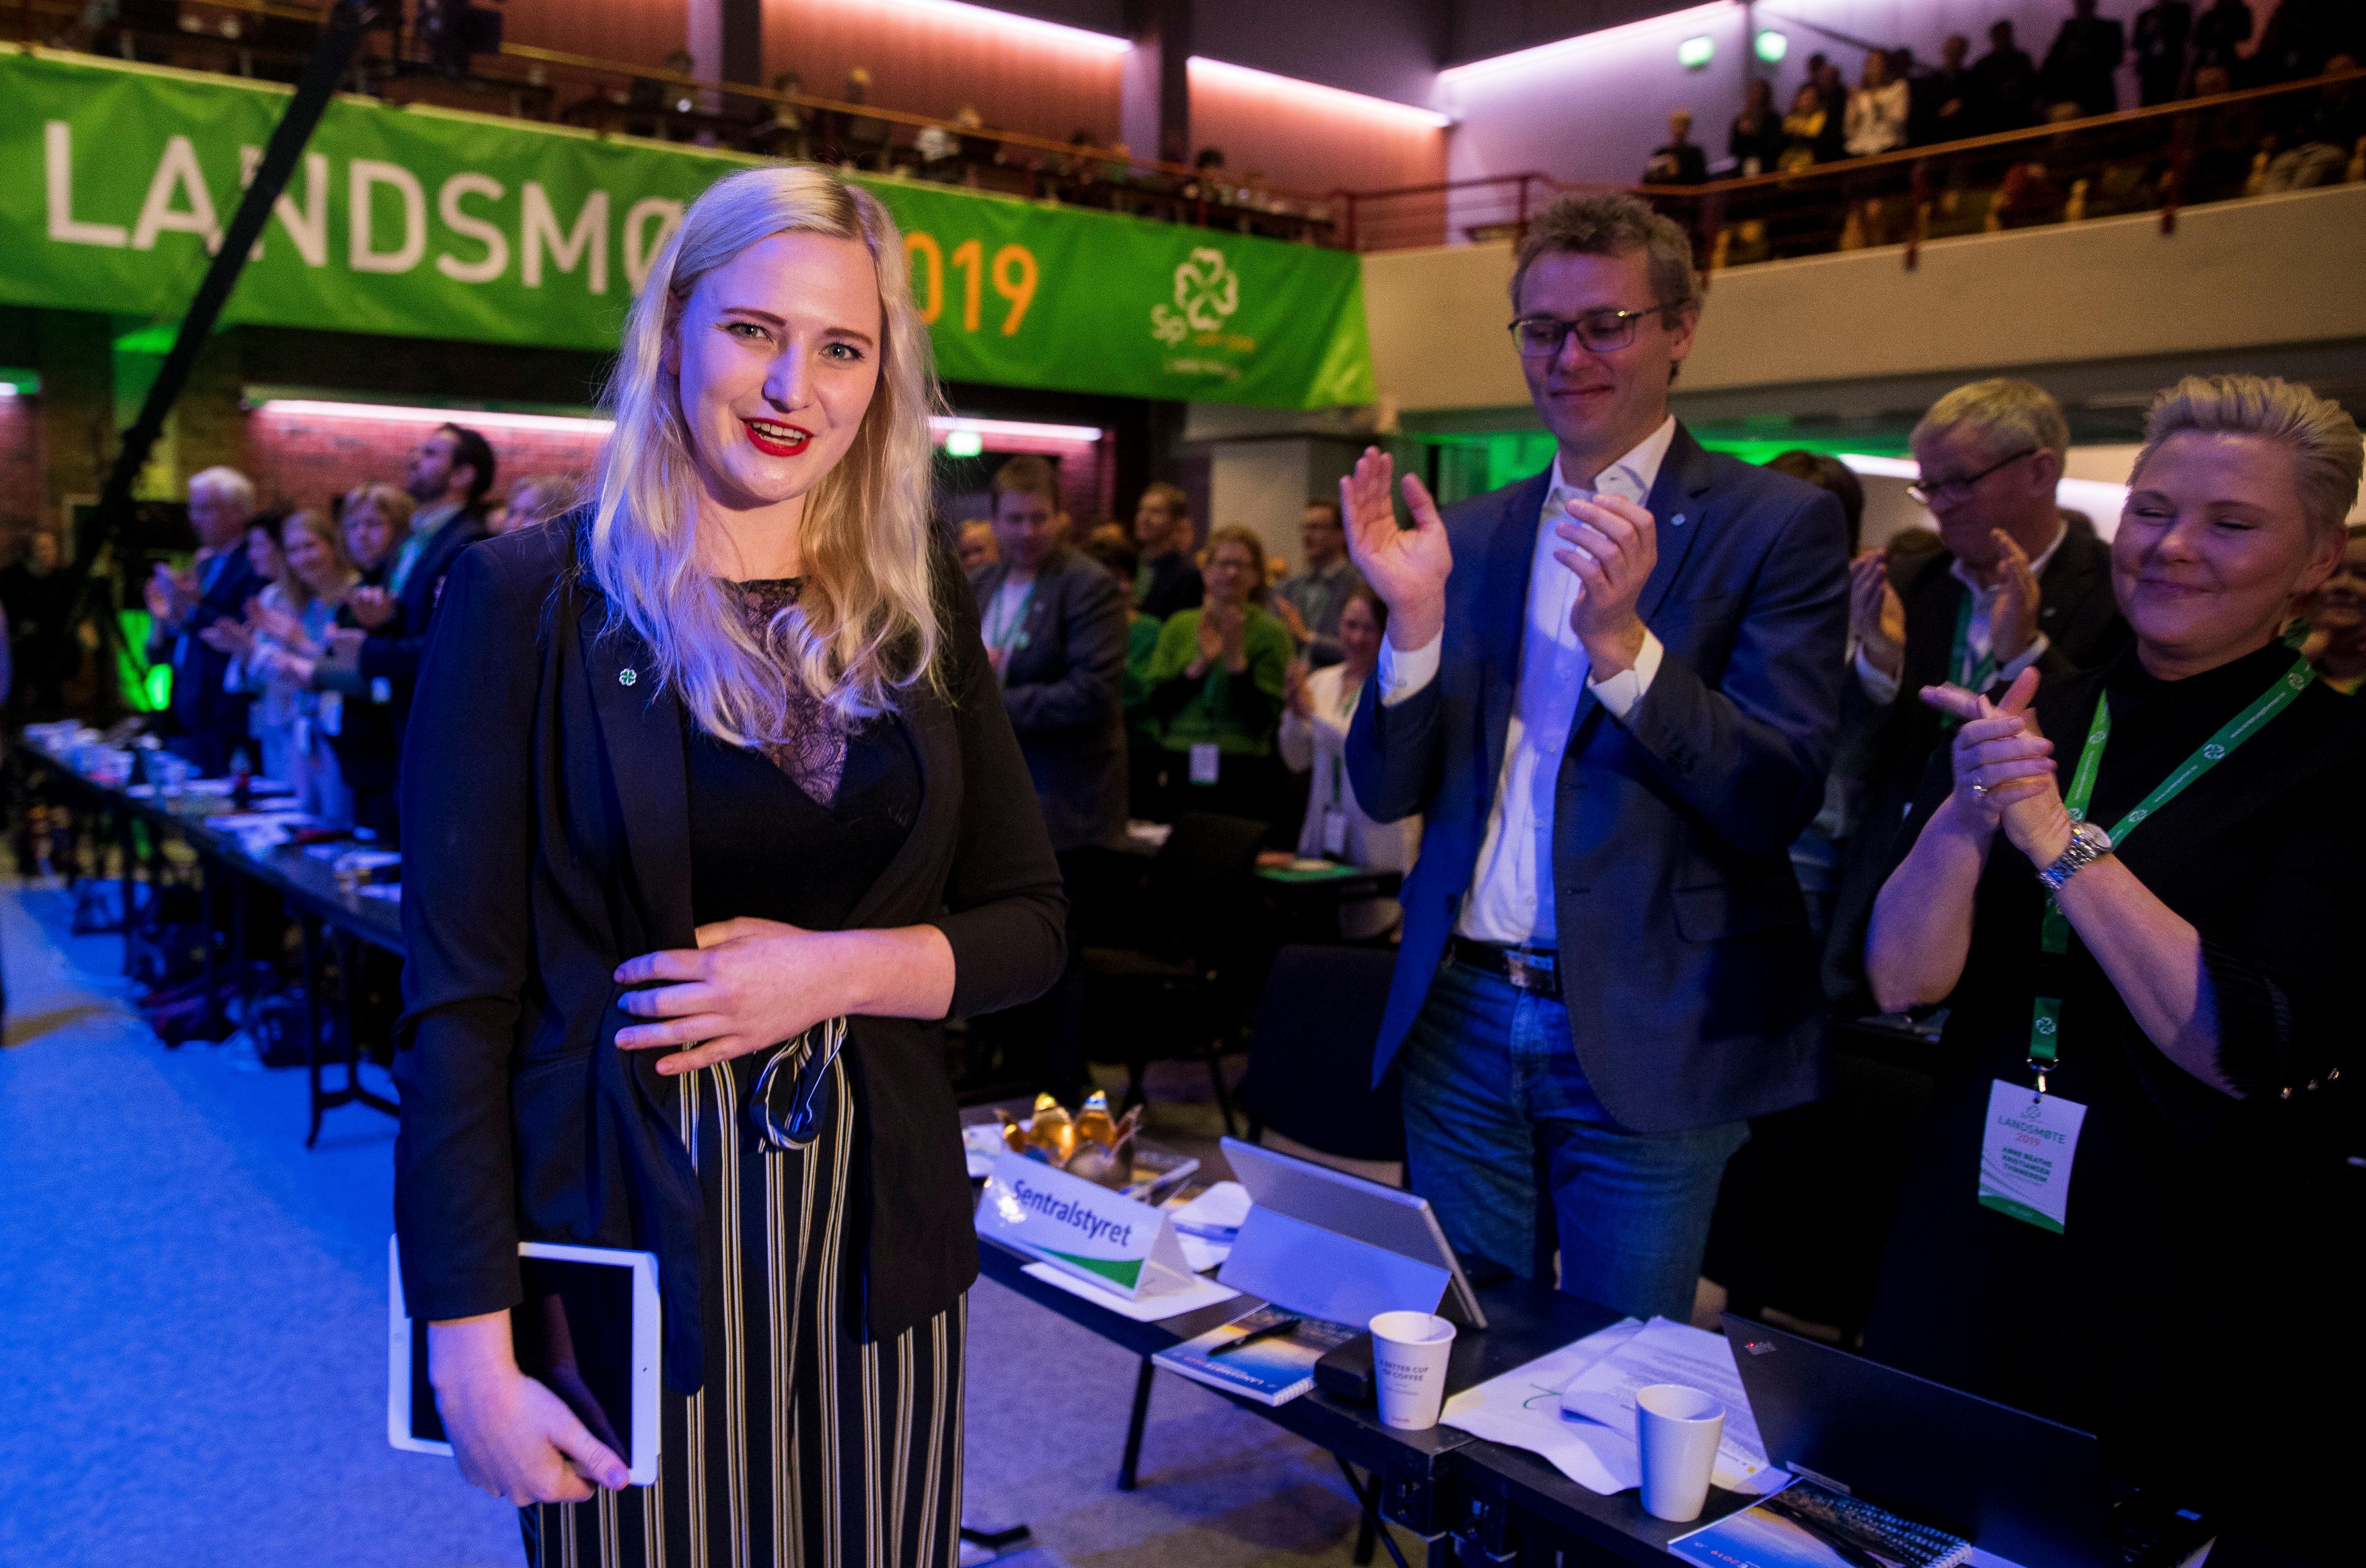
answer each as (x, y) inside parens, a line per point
(588, 1330)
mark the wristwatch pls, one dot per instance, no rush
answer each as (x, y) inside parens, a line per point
(2088, 843)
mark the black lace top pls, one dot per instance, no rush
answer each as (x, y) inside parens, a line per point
(796, 829)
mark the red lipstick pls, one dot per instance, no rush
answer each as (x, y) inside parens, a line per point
(771, 447)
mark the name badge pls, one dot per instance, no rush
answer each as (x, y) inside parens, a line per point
(1206, 756)
(2026, 1152)
(1334, 833)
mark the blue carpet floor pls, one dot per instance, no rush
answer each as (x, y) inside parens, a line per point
(193, 1321)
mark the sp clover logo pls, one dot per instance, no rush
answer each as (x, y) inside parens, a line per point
(1207, 290)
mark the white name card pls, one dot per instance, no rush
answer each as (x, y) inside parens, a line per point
(1104, 1237)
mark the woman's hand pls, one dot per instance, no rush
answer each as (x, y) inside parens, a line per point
(1294, 689)
(1231, 631)
(271, 621)
(230, 638)
(372, 607)
(1211, 642)
(2000, 760)
(512, 1436)
(749, 985)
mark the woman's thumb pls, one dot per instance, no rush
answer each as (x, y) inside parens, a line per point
(592, 1457)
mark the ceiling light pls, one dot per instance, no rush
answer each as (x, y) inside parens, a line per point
(487, 418)
(1773, 46)
(1561, 51)
(1315, 91)
(1050, 32)
(947, 429)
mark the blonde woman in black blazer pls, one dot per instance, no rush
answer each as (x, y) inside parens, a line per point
(690, 772)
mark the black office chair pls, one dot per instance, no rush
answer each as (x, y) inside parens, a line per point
(1803, 1216)
(1310, 1074)
(1176, 990)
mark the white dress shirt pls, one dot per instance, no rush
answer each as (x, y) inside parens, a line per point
(1979, 639)
(1511, 896)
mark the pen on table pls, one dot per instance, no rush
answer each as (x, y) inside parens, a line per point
(1270, 1331)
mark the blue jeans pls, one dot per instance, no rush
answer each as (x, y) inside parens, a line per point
(1493, 1089)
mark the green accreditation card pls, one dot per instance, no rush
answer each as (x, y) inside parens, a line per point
(2026, 1150)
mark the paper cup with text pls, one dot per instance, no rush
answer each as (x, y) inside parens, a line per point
(1409, 1352)
(1677, 1430)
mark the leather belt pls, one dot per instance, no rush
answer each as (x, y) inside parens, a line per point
(1535, 970)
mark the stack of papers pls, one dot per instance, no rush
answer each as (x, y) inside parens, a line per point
(1211, 1223)
(1576, 1407)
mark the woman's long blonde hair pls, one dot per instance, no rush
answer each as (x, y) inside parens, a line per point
(864, 623)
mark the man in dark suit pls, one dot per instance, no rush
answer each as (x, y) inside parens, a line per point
(2079, 67)
(1055, 627)
(450, 473)
(2161, 33)
(1940, 106)
(2016, 586)
(2004, 83)
(210, 718)
(1610, 692)
(1168, 583)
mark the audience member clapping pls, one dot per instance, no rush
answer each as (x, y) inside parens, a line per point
(1756, 141)
(208, 713)
(1318, 705)
(355, 712)
(2005, 83)
(1680, 162)
(291, 623)
(1216, 684)
(1940, 105)
(1876, 110)
(1803, 128)
(2135, 889)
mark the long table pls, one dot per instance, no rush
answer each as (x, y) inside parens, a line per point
(1470, 1500)
(328, 914)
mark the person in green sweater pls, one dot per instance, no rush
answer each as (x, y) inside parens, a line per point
(1216, 683)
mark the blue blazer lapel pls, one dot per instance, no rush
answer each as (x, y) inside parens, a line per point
(1507, 555)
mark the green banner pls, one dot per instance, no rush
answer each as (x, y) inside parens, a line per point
(424, 222)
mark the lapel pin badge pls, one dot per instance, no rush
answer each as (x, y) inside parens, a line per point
(626, 677)
(1677, 521)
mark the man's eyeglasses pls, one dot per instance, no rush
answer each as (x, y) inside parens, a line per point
(1925, 492)
(1600, 332)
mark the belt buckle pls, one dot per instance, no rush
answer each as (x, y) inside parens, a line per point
(1526, 974)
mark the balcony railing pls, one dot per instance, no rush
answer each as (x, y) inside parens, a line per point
(269, 41)
(2151, 160)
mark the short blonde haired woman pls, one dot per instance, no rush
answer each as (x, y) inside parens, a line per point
(2129, 1251)
(690, 772)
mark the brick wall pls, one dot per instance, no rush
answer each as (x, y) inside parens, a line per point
(303, 460)
(22, 472)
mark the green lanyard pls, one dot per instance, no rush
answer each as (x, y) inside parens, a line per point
(2054, 934)
(997, 638)
(1972, 677)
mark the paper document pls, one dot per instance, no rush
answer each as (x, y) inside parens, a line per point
(1662, 1351)
(1592, 1441)
(1215, 1214)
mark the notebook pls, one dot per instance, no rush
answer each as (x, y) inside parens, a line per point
(1806, 1526)
(1274, 1371)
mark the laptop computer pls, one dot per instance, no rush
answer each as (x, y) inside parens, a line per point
(1334, 1200)
(2017, 1486)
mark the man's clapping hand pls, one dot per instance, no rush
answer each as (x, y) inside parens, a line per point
(1876, 615)
(372, 607)
(1611, 544)
(1406, 566)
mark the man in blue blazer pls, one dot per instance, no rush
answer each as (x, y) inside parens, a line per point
(209, 714)
(1611, 692)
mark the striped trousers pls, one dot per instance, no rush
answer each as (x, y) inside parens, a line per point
(811, 1445)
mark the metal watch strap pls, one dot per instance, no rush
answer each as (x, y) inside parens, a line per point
(2088, 844)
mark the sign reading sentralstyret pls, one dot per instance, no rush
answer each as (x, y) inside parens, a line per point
(424, 222)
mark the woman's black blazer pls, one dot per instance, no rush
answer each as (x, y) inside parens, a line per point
(547, 839)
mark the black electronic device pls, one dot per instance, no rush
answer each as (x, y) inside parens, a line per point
(2017, 1486)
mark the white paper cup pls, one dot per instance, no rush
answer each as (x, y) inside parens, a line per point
(1409, 1352)
(1677, 1430)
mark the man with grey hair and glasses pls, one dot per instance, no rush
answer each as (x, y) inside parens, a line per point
(2016, 585)
(1610, 691)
